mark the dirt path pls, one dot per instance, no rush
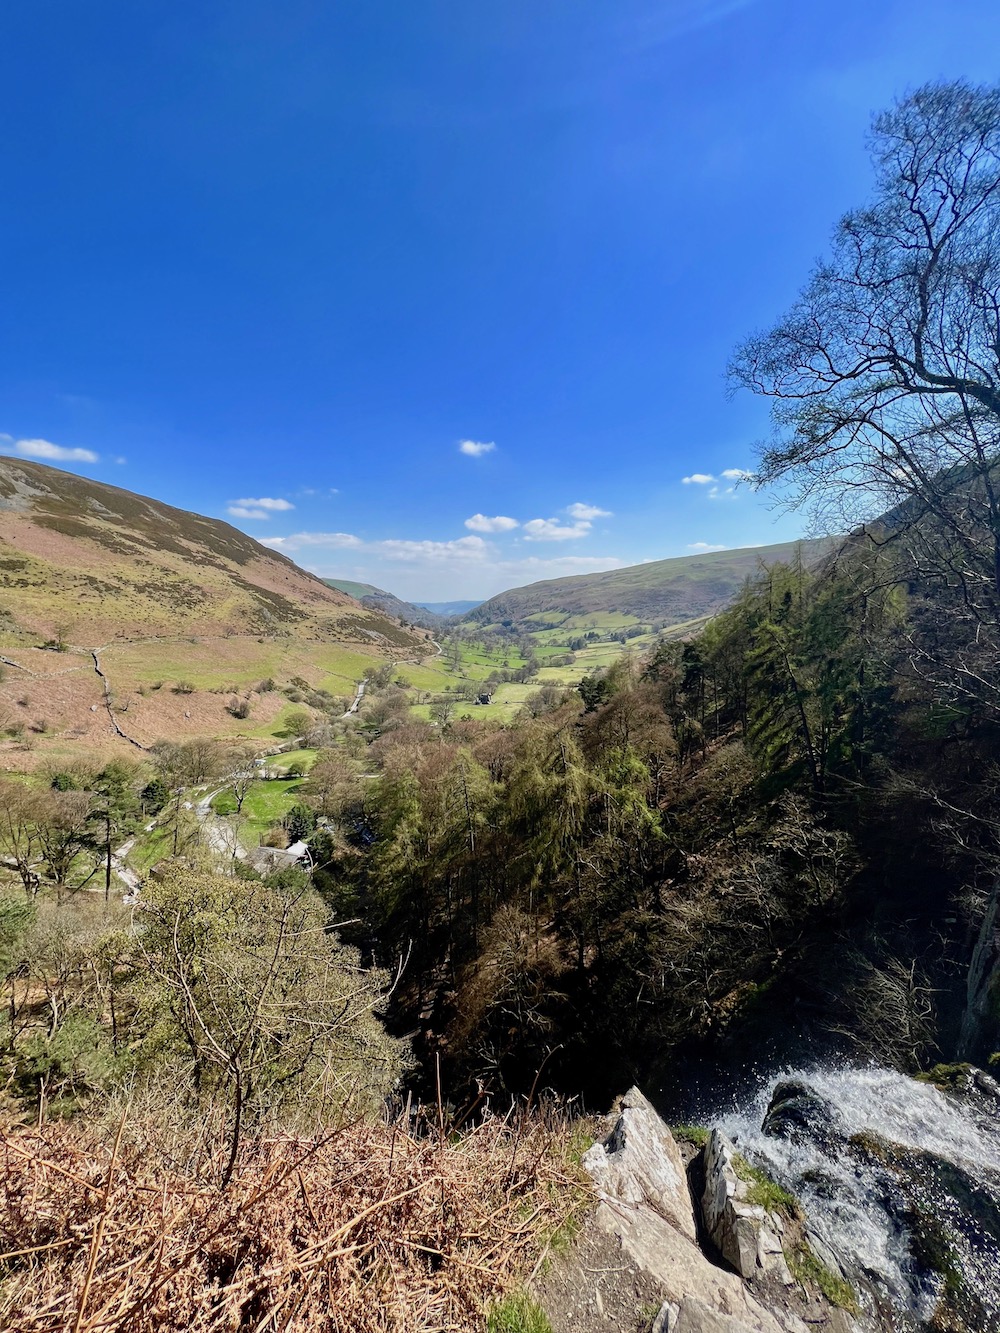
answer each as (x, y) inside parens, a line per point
(359, 694)
(127, 876)
(220, 836)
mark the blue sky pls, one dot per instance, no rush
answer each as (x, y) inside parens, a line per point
(433, 294)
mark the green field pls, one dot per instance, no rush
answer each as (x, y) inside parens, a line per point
(266, 804)
(218, 663)
(281, 763)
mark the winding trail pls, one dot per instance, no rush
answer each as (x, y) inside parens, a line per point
(127, 876)
(217, 833)
(359, 694)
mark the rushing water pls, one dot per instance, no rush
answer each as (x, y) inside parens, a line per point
(900, 1183)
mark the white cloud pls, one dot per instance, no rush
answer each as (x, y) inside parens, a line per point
(463, 548)
(297, 540)
(480, 523)
(266, 502)
(587, 513)
(717, 490)
(701, 548)
(551, 530)
(534, 568)
(52, 453)
(258, 509)
(468, 566)
(475, 448)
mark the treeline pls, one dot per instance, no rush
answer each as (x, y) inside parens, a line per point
(591, 878)
(782, 810)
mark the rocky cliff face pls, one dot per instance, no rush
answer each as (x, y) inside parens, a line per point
(656, 1255)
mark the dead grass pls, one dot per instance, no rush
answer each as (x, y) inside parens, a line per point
(370, 1229)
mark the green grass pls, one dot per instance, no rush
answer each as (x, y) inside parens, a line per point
(765, 1192)
(353, 589)
(805, 1267)
(266, 803)
(281, 763)
(242, 662)
(696, 1135)
(150, 848)
(426, 676)
(517, 1313)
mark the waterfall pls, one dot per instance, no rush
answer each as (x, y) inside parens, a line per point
(900, 1183)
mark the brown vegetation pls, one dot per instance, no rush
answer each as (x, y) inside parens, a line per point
(394, 1226)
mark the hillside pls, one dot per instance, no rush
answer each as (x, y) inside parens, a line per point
(672, 592)
(377, 599)
(167, 598)
(100, 562)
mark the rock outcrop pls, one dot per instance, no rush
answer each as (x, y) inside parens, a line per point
(638, 1263)
(744, 1233)
(639, 1163)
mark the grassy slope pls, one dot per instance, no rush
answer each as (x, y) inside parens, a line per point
(679, 590)
(165, 596)
(94, 563)
(357, 590)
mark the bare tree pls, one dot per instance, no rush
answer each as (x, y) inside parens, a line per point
(243, 776)
(885, 375)
(887, 369)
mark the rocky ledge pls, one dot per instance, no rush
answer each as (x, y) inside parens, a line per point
(650, 1260)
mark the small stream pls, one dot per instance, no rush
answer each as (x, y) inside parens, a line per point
(900, 1183)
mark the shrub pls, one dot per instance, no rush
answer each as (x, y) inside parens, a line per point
(184, 687)
(241, 986)
(154, 796)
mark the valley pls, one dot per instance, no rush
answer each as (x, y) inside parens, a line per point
(619, 953)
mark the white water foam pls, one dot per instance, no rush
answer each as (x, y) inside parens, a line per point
(848, 1203)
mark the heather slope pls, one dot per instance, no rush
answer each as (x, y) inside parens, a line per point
(675, 592)
(193, 624)
(90, 562)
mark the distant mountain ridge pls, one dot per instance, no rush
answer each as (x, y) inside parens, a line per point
(676, 591)
(377, 599)
(459, 608)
